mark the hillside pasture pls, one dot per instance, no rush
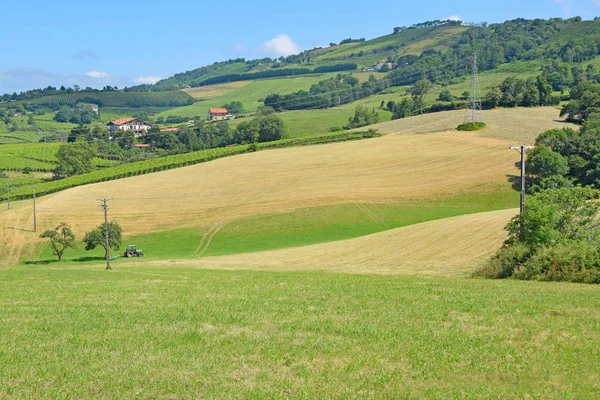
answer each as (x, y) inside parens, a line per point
(251, 94)
(409, 42)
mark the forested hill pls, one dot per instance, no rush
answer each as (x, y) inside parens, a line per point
(437, 50)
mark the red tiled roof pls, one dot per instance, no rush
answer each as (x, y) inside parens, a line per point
(121, 121)
(141, 145)
(218, 111)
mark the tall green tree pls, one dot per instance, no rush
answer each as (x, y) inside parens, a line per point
(362, 117)
(97, 237)
(74, 159)
(270, 128)
(61, 238)
(418, 92)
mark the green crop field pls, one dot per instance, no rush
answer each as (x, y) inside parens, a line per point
(172, 332)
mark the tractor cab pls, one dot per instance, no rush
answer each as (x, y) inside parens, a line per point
(132, 251)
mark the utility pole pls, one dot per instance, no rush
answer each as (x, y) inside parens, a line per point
(522, 149)
(104, 200)
(8, 195)
(34, 212)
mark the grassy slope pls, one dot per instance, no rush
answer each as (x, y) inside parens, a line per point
(301, 227)
(250, 95)
(412, 41)
(174, 332)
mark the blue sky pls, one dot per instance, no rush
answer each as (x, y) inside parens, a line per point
(125, 42)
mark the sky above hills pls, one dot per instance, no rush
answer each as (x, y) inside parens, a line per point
(124, 43)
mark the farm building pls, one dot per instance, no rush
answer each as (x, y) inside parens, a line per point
(136, 125)
(94, 107)
(216, 114)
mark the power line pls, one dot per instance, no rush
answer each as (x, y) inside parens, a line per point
(105, 200)
(34, 211)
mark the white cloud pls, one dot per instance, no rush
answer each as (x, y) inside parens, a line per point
(454, 18)
(147, 79)
(280, 45)
(97, 74)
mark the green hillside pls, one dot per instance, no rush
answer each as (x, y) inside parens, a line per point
(251, 95)
(413, 41)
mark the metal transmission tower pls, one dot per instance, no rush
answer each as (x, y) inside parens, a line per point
(474, 111)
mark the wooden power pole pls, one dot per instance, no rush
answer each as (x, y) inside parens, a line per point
(522, 149)
(8, 194)
(34, 212)
(105, 200)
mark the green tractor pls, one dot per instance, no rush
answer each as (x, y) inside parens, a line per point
(132, 251)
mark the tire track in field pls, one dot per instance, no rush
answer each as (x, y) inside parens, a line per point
(208, 237)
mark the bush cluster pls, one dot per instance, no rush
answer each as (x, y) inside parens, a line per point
(471, 126)
(561, 240)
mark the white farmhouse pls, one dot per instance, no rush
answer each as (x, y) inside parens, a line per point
(136, 125)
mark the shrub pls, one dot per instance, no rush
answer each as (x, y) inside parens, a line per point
(573, 261)
(504, 262)
(471, 126)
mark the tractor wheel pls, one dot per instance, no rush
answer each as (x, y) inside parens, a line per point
(129, 254)
(140, 254)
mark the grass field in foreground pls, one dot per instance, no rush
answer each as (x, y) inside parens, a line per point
(183, 333)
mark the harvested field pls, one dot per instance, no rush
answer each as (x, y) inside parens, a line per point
(512, 124)
(450, 246)
(212, 91)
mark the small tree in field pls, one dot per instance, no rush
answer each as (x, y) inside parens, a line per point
(97, 237)
(61, 238)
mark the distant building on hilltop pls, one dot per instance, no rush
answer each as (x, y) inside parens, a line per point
(94, 107)
(217, 114)
(136, 125)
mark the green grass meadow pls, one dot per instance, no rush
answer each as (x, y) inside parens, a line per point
(176, 333)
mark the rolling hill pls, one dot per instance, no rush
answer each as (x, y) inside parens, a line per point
(298, 196)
